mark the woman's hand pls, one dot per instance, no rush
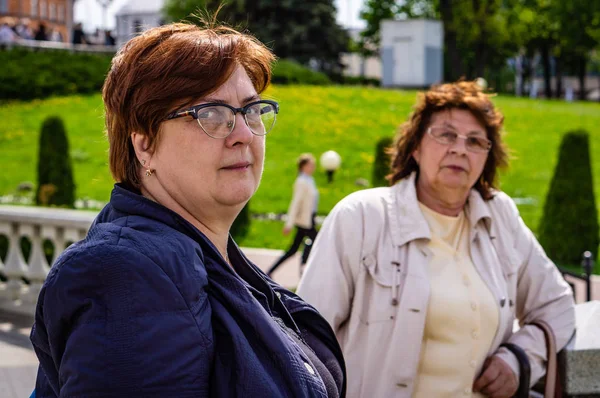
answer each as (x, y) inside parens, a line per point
(497, 379)
(286, 230)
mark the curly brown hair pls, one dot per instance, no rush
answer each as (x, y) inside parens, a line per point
(460, 95)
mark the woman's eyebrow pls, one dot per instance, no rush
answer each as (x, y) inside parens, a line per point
(251, 98)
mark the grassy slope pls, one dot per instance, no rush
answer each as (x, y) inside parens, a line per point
(313, 119)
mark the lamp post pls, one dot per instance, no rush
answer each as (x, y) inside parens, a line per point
(104, 4)
(330, 161)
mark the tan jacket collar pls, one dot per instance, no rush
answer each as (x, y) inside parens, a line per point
(407, 221)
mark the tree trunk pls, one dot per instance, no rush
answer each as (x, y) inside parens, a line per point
(545, 53)
(528, 75)
(559, 77)
(581, 69)
(454, 63)
(481, 46)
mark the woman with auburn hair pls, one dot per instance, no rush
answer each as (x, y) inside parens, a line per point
(422, 281)
(158, 300)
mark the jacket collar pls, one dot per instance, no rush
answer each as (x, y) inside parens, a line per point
(125, 201)
(408, 223)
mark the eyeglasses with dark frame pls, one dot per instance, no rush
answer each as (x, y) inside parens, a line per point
(446, 135)
(217, 120)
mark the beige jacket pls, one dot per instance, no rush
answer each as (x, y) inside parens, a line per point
(372, 251)
(302, 205)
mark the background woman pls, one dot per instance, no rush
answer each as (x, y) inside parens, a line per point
(421, 281)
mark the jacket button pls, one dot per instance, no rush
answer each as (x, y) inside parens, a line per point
(309, 368)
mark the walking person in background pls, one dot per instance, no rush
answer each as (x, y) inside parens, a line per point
(302, 211)
(422, 281)
(41, 34)
(79, 35)
(7, 35)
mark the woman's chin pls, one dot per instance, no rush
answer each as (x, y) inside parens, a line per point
(456, 182)
(237, 197)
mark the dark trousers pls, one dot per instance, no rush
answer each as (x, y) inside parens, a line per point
(301, 236)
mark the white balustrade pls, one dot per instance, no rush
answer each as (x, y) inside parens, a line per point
(59, 226)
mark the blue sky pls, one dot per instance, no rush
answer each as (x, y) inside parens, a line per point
(90, 13)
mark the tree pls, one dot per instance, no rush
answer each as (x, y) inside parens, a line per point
(381, 165)
(569, 225)
(302, 30)
(373, 12)
(476, 35)
(55, 175)
(578, 34)
(241, 225)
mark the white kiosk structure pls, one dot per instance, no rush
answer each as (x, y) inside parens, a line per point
(412, 53)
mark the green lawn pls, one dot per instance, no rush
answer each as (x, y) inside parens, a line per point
(313, 119)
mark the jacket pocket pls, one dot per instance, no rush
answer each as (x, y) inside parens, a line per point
(379, 299)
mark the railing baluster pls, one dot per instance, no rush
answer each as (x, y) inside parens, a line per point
(38, 267)
(37, 223)
(15, 267)
(4, 230)
(55, 235)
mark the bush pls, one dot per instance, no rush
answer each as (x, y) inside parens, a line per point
(289, 72)
(241, 225)
(27, 74)
(361, 81)
(569, 225)
(55, 176)
(381, 166)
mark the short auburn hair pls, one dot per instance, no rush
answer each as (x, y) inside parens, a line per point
(164, 69)
(460, 95)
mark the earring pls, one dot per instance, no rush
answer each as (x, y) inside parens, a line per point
(149, 171)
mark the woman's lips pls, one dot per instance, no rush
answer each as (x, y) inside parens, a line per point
(455, 168)
(238, 166)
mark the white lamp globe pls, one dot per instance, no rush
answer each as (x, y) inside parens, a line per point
(331, 160)
(482, 83)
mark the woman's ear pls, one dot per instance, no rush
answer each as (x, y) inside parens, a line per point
(141, 146)
(417, 155)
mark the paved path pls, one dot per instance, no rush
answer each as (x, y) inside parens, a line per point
(18, 363)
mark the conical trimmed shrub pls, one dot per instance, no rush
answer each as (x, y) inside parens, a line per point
(241, 225)
(570, 222)
(381, 165)
(55, 175)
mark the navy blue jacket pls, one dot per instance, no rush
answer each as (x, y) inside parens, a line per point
(145, 306)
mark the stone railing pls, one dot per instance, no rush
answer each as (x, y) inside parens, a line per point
(25, 277)
(59, 226)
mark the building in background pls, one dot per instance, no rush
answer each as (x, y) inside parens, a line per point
(412, 53)
(56, 15)
(136, 16)
(357, 65)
